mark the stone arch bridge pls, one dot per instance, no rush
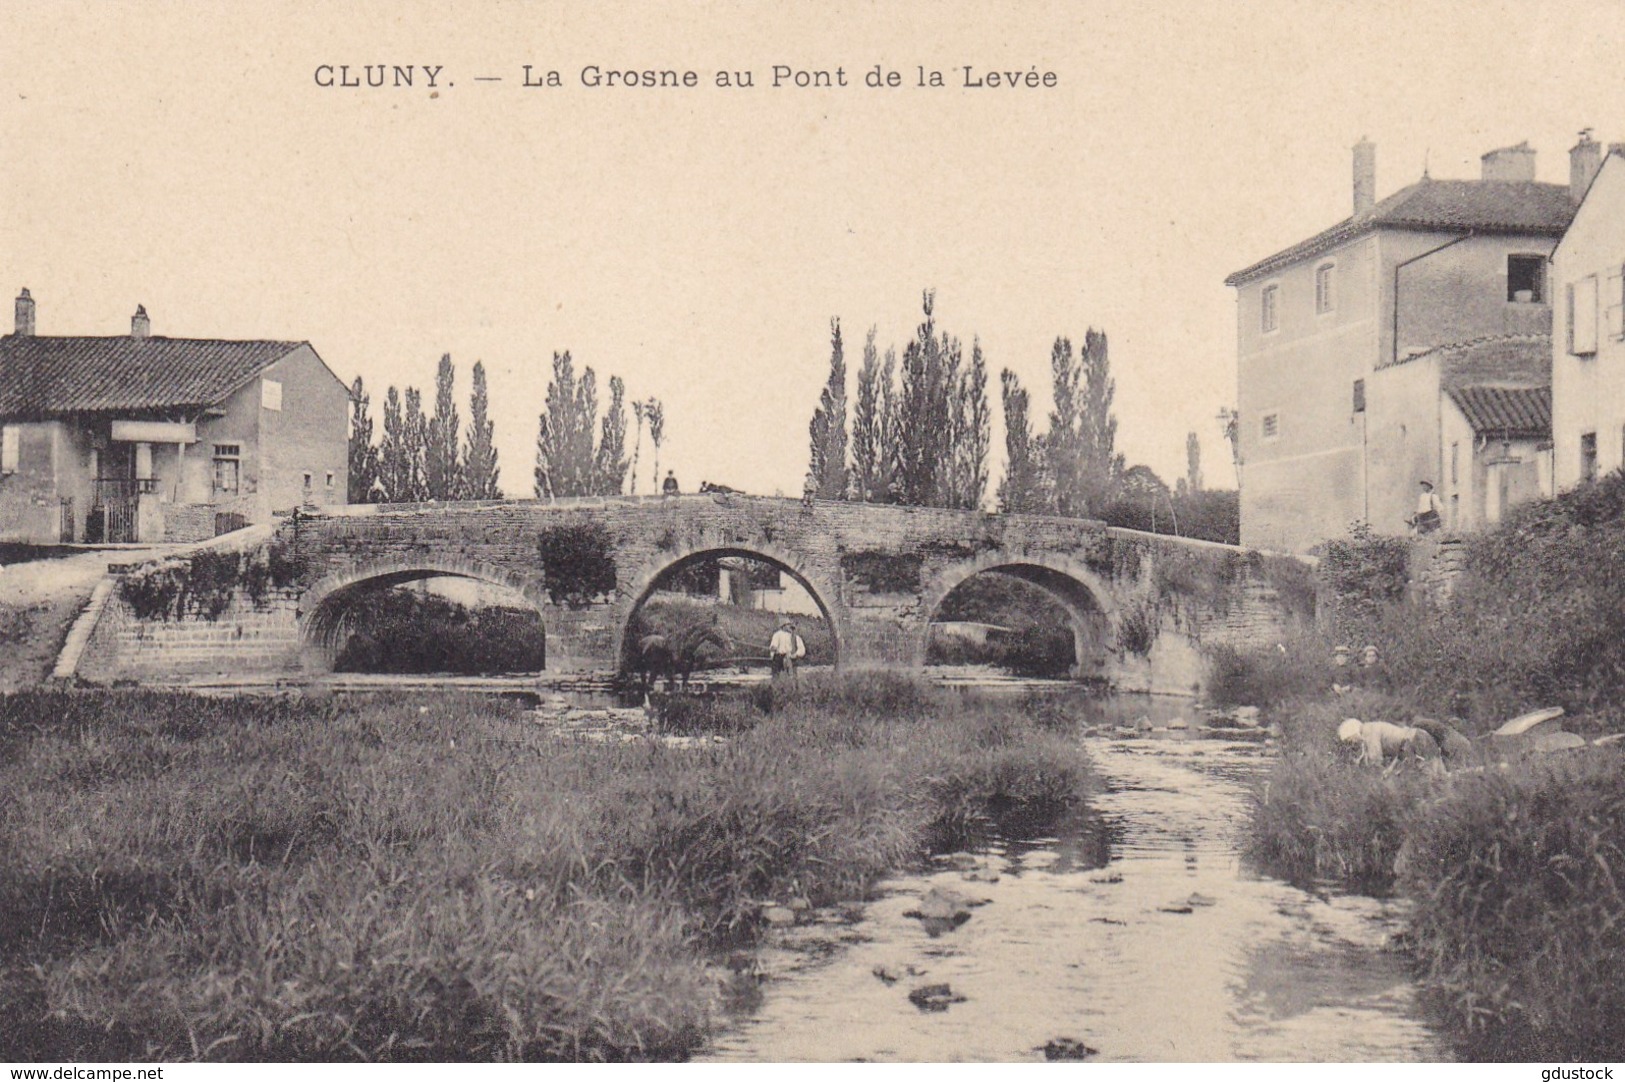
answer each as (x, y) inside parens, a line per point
(1143, 607)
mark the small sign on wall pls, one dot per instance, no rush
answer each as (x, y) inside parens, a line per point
(271, 394)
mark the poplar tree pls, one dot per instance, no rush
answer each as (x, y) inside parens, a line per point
(394, 472)
(925, 414)
(480, 469)
(363, 456)
(609, 461)
(1062, 444)
(1021, 491)
(655, 413)
(1102, 465)
(972, 432)
(569, 460)
(827, 429)
(442, 463)
(415, 446)
(868, 449)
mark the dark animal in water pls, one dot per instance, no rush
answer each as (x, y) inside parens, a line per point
(677, 654)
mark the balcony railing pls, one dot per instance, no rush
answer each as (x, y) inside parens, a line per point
(116, 488)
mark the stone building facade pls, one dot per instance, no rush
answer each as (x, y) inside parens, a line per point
(142, 438)
(1588, 340)
(1338, 422)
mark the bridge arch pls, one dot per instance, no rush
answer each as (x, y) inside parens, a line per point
(1085, 597)
(323, 607)
(820, 590)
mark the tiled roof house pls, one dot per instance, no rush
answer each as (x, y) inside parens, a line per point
(144, 438)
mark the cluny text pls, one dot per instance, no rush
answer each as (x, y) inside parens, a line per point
(776, 76)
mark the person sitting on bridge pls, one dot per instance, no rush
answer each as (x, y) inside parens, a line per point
(669, 487)
(786, 648)
(1380, 740)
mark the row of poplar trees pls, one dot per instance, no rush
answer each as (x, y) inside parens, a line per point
(420, 456)
(423, 456)
(920, 429)
(579, 453)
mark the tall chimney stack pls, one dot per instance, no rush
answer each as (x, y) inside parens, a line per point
(1585, 158)
(25, 315)
(1365, 176)
(1515, 164)
(140, 325)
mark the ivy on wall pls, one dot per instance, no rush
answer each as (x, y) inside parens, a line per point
(883, 572)
(578, 564)
(204, 584)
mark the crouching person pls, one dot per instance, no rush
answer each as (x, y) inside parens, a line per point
(1381, 741)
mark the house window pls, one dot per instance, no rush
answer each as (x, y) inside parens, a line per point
(1325, 288)
(227, 468)
(1269, 427)
(1613, 300)
(329, 478)
(1269, 317)
(1359, 396)
(1455, 464)
(307, 482)
(1588, 456)
(1526, 274)
(11, 447)
(1582, 312)
(271, 394)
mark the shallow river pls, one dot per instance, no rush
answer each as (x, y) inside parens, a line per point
(1136, 931)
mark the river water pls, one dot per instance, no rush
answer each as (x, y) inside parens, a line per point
(1136, 930)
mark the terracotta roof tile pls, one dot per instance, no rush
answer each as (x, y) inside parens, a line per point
(46, 376)
(1484, 206)
(1507, 412)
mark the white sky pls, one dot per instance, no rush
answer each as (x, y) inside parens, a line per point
(697, 242)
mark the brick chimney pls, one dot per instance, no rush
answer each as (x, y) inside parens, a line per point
(1585, 158)
(140, 325)
(1365, 175)
(1510, 163)
(25, 315)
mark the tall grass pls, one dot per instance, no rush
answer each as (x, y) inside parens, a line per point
(1518, 879)
(396, 877)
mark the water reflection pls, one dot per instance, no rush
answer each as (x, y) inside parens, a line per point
(1134, 929)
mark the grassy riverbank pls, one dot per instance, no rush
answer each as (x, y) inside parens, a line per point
(1515, 871)
(1514, 874)
(405, 877)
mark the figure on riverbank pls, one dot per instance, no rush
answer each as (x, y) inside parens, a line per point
(669, 486)
(1381, 740)
(786, 648)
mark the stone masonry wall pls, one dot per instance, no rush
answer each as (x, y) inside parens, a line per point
(879, 571)
(243, 640)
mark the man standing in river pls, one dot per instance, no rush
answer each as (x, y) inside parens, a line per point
(786, 648)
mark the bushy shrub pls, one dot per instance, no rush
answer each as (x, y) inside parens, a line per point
(578, 563)
(1268, 676)
(1037, 651)
(1536, 618)
(1518, 883)
(401, 631)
